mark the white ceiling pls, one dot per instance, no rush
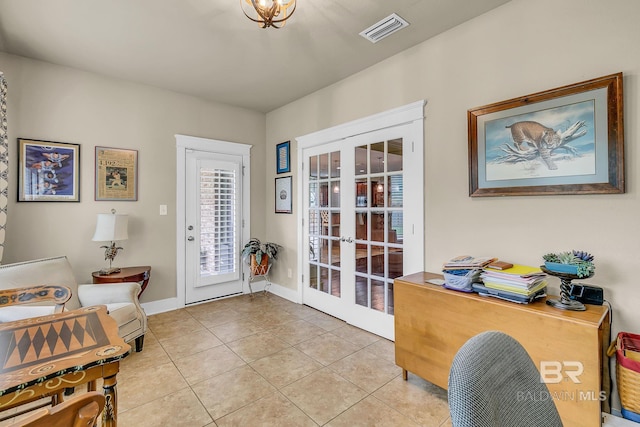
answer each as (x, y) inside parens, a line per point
(209, 49)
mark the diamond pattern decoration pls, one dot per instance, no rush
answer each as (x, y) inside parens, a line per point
(40, 343)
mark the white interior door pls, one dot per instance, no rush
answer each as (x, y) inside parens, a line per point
(358, 218)
(213, 225)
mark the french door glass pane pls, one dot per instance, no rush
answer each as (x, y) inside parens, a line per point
(378, 292)
(361, 160)
(376, 158)
(394, 155)
(313, 168)
(396, 229)
(362, 219)
(335, 164)
(395, 190)
(323, 166)
(377, 192)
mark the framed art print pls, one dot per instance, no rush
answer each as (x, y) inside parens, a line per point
(283, 157)
(568, 140)
(116, 174)
(283, 195)
(48, 171)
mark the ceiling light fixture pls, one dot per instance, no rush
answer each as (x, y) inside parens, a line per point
(268, 13)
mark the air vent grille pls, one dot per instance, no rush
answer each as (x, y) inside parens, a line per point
(384, 28)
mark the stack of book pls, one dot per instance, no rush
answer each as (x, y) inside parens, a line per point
(520, 283)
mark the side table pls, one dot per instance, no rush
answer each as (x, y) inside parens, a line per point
(126, 274)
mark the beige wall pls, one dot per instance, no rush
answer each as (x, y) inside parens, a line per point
(520, 48)
(55, 103)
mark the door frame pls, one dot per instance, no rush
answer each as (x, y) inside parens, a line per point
(183, 144)
(410, 114)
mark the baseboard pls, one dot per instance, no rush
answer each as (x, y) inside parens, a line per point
(160, 306)
(284, 292)
(616, 420)
(169, 304)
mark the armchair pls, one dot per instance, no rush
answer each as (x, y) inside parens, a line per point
(121, 299)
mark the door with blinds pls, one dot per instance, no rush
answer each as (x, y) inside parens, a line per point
(213, 225)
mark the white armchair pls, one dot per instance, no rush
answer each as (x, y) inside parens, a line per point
(121, 299)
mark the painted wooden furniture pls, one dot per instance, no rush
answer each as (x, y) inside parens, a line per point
(126, 274)
(81, 411)
(432, 323)
(35, 294)
(42, 356)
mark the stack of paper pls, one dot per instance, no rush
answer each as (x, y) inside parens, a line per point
(462, 271)
(467, 262)
(519, 279)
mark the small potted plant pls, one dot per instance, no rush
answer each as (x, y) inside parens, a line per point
(578, 263)
(260, 255)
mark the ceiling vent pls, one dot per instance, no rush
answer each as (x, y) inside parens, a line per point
(384, 28)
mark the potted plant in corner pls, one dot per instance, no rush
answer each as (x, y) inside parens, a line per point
(260, 255)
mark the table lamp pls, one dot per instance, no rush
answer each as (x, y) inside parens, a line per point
(109, 228)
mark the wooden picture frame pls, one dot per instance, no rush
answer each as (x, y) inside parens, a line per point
(568, 140)
(283, 157)
(116, 174)
(48, 171)
(283, 195)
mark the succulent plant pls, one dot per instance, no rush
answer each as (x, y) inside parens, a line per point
(583, 260)
(584, 256)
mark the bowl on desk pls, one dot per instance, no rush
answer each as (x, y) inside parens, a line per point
(557, 267)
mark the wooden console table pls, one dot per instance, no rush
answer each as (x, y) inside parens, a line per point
(432, 323)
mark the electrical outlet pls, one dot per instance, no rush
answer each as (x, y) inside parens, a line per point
(289, 273)
(163, 209)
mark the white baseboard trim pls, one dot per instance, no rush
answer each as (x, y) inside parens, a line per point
(169, 304)
(284, 292)
(616, 420)
(160, 306)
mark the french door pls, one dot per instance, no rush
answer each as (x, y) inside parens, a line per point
(359, 219)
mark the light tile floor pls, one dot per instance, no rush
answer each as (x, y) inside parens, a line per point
(265, 361)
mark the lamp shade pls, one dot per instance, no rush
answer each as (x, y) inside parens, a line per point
(110, 227)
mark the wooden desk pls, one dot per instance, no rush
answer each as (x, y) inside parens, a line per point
(432, 323)
(44, 355)
(126, 274)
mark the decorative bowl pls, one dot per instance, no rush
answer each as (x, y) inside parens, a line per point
(561, 268)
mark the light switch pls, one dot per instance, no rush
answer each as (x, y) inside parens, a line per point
(163, 209)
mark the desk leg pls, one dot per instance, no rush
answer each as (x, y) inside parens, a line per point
(109, 415)
(405, 374)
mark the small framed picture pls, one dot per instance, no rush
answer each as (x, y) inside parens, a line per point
(116, 174)
(283, 157)
(48, 171)
(283, 195)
